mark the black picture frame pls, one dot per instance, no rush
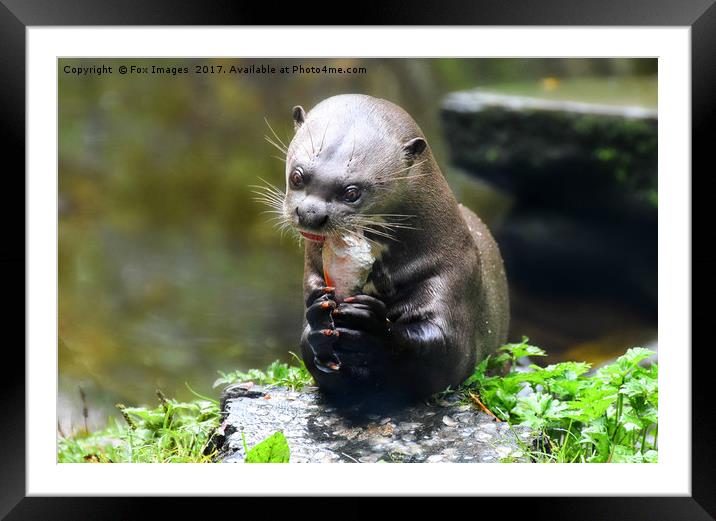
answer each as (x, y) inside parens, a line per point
(17, 15)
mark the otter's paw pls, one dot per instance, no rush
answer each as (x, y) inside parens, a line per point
(363, 330)
(322, 344)
(362, 313)
(323, 335)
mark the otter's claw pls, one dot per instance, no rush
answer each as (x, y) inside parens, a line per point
(328, 291)
(330, 366)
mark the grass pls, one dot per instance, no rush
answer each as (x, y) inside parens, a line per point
(172, 432)
(176, 432)
(280, 374)
(607, 415)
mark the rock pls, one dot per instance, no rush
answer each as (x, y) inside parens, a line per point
(316, 432)
(583, 182)
(578, 158)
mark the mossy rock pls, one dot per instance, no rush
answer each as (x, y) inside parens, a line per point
(572, 157)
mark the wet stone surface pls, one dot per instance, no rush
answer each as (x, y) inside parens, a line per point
(441, 431)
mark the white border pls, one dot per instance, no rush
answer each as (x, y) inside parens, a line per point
(670, 476)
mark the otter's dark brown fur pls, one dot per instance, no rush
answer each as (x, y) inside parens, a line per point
(436, 300)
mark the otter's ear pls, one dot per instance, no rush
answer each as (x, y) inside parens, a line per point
(299, 116)
(414, 147)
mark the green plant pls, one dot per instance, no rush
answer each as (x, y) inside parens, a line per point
(277, 373)
(172, 432)
(178, 431)
(273, 449)
(608, 416)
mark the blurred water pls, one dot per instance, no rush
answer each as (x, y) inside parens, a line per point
(168, 271)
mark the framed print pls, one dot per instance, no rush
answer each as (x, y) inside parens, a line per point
(456, 253)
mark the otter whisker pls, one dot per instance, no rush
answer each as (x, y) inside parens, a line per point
(310, 137)
(385, 221)
(386, 184)
(377, 224)
(413, 176)
(280, 224)
(273, 191)
(403, 215)
(324, 136)
(390, 175)
(274, 133)
(271, 196)
(273, 143)
(386, 180)
(381, 219)
(278, 213)
(387, 226)
(355, 233)
(278, 220)
(270, 186)
(267, 198)
(274, 209)
(404, 169)
(260, 190)
(363, 228)
(309, 156)
(379, 233)
(353, 150)
(276, 205)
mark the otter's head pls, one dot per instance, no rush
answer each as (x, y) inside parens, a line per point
(350, 160)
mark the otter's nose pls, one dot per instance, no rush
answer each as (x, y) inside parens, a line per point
(311, 218)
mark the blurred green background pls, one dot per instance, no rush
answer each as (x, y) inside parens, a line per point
(168, 271)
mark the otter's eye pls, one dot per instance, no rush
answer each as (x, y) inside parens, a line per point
(351, 194)
(296, 178)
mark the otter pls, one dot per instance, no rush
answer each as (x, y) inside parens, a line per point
(434, 300)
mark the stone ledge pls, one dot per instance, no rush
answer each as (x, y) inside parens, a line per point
(478, 99)
(576, 158)
(442, 431)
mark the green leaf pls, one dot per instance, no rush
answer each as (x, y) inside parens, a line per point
(521, 349)
(481, 369)
(639, 387)
(616, 372)
(624, 454)
(651, 456)
(566, 370)
(597, 436)
(635, 355)
(537, 409)
(273, 449)
(567, 390)
(591, 408)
